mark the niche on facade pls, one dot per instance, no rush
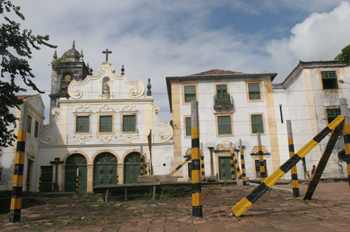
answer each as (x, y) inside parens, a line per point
(106, 88)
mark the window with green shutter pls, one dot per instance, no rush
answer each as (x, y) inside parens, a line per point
(224, 125)
(190, 93)
(129, 123)
(332, 114)
(29, 124)
(329, 80)
(36, 129)
(254, 91)
(106, 123)
(82, 124)
(222, 95)
(188, 126)
(257, 123)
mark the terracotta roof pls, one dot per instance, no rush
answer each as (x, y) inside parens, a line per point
(215, 72)
(21, 97)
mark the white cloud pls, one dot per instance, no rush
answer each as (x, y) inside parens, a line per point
(319, 37)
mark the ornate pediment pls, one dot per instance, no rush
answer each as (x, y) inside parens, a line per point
(255, 150)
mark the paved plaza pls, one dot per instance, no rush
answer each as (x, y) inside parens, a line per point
(276, 210)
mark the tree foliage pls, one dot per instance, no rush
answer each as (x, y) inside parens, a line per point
(15, 48)
(344, 56)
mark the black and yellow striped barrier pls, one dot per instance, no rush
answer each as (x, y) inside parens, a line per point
(233, 175)
(17, 181)
(246, 202)
(146, 168)
(244, 178)
(196, 174)
(236, 165)
(202, 161)
(294, 173)
(39, 188)
(117, 178)
(180, 166)
(77, 182)
(141, 169)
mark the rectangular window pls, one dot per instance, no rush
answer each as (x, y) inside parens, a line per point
(36, 129)
(82, 124)
(257, 123)
(332, 114)
(106, 123)
(224, 125)
(129, 123)
(329, 80)
(188, 126)
(222, 95)
(254, 91)
(190, 93)
(257, 168)
(29, 124)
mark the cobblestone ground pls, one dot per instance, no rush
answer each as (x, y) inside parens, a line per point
(274, 211)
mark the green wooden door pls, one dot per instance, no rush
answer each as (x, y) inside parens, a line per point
(225, 168)
(74, 162)
(132, 167)
(46, 179)
(221, 91)
(105, 169)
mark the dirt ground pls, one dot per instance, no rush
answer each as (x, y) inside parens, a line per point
(274, 211)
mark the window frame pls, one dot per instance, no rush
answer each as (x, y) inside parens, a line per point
(256, 169)
(29, 122)
(227, 90)
(36, 128)
(334, 79)
(185, 126)
(99, 132)
(251, 125)
(122, 123)
(260, 88)
(76, 124)
(183, 92)
(326, 112)
(323, 90)
(217, 115)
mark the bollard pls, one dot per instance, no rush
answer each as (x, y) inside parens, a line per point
(117, 178)
(77, 182)
(196, 175)
(141, 164)
(244, 178)
(233, 175)
(39, 184)
(294, 173)
(246, 202)
(202, 160)
(261, 160)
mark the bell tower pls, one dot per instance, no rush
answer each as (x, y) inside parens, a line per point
(70, 66)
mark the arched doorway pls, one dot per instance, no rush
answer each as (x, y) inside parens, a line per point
(74, 162)
(105, 169)
(132, 167)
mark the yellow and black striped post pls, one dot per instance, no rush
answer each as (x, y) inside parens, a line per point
(235, 163)
(246, 202)
(117, 178)
(146, 168)
(196, 174)
(261, 160)
(39, 188)
(202, 161)
(17, 181)
(295, 182)
(244, 178)
(77, 182)
(233, 175)
(346, 133)
(180, 166)
(142, 161)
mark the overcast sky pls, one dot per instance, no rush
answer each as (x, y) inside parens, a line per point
(155, 39)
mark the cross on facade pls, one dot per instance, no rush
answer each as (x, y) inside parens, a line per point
(106, 52)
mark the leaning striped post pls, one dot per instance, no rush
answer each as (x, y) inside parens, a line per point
(346, 133)
(17, 181)
(261, 160)
(202, 161)
(233, 175)
(236, 165)
(246, 202)
(196, 175)
(180, 166)
(117, 178)
(244, 178)
(142, 160)
(295, 182)
(39, 189)
(77, 182)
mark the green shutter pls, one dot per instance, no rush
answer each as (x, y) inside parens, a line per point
(106, 123)
(129, 123)
(257, 124)
(254, 91)
(190, 93)
(329, 80)
(82, 124)
(222, 96)
(36, 129)
(224, 125)
(29, 125)
(332, 114)
(188, 126)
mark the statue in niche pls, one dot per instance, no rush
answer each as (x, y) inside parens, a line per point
(65, 82)
(106, 91)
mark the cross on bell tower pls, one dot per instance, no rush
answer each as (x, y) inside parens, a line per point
(106, 52)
